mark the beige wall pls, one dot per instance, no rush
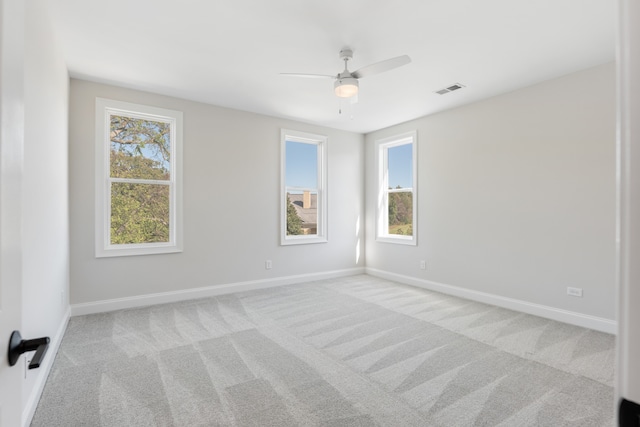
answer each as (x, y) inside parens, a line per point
(231, 203)
(516, 195)
(517, 199)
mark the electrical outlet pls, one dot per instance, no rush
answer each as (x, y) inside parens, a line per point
(268, 265)
(423, 265)
(574, 292)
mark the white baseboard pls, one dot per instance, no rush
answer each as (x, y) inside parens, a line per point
(565, 316)
(571, 317)
(204, 292)
(44, 370)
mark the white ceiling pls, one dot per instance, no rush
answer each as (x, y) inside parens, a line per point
(230, 52)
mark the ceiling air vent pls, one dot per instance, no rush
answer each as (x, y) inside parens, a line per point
(448, 89)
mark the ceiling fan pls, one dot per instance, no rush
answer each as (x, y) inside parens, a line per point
(346, 82)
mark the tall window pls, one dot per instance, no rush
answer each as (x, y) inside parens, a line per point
(396, 213)
(138, 179)
(303, 194)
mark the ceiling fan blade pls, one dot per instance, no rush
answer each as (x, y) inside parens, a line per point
(313, 76)
(382, 66)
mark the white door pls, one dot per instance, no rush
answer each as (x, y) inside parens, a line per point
(11, 142)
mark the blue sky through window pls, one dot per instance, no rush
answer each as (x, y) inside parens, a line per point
(400, 166)
(301, 165)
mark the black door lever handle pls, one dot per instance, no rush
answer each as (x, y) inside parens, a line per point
(17, 346)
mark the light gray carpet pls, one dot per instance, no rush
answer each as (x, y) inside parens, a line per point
(354, 351)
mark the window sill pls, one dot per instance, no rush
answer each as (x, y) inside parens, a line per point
(137, 250)
(302, 240)
(399, 240)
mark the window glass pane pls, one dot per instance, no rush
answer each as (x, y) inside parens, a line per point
(302, 213)
(139, 213)
(400, 166)
(140, 148)
(401, 213)
(301, 165)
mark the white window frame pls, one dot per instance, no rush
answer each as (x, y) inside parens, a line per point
(321, 142)
(103, 247)
(382, 208)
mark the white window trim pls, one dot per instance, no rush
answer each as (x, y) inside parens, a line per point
(103, 247)
(382, 211)
(322, 142)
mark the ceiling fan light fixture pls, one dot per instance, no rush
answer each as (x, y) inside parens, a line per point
(346, 87)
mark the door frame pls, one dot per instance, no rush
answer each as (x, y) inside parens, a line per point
(628, 201)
